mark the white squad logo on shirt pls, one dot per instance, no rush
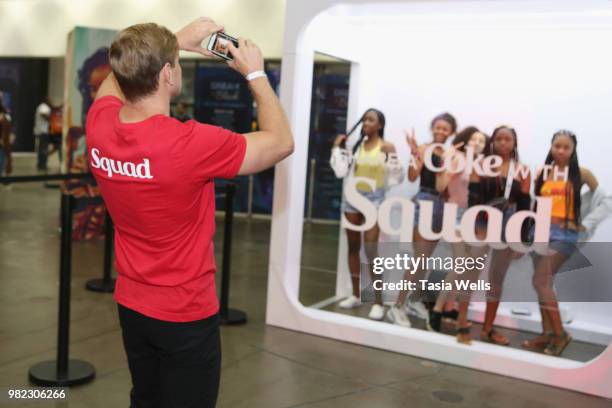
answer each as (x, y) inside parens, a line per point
(129, 169)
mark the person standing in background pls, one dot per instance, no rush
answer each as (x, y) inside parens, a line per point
(55, 131)
(6, 162)
(41, 133)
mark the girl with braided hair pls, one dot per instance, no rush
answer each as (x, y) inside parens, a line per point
(370, 154)
(564, 230)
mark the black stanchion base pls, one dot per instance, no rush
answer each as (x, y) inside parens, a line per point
(234, 317)
(45, 374)
(100, 285)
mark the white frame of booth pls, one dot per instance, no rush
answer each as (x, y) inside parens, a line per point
(283, 307)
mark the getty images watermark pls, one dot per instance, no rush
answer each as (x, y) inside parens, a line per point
(469, 268)
(410, 265)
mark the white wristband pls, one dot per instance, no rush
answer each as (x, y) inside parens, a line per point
(255, 74)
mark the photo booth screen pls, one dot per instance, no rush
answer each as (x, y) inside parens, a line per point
(520, 78)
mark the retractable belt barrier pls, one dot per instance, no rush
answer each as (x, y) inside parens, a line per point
(64, 371)
(106, 284)
(228, 316)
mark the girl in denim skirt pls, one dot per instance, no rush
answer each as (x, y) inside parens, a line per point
(369, 160)
(564, 230)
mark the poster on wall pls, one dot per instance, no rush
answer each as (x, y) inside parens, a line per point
(328, 119)
(222, 98)
(9, 83)
(21, 97)
(87, 65)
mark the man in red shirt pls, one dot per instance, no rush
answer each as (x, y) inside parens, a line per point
(156, 176)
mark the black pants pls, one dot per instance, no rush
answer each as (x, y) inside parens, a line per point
(172, 364)
(43, 151)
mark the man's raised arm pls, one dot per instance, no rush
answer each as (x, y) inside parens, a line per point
(275, 141)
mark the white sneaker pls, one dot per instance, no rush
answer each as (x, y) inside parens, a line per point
(417, 308)
(397, 315)
(377, 312)
(350, 302)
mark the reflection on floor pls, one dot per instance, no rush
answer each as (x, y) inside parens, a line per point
(263, 366)
(319, 276)
(577, 350)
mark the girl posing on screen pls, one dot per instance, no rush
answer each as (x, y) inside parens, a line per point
(564, 229)
(509, 197)
(442, 127)
(370, 154)
(464, 190)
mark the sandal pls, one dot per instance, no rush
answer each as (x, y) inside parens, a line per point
(538, 343)
(463, 336)
(494, 337)
(555, 348)
(450, 314)
(468, 324)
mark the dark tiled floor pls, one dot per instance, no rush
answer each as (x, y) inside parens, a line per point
(263, 366)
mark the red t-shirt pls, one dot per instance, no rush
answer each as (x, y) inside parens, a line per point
(156, 178)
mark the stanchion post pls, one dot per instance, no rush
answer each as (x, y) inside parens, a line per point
(311, 185)
(63, 331)
(62, 371)
(228, 316)
(106, 284)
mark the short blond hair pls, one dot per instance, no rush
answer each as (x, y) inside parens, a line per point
(138, 54)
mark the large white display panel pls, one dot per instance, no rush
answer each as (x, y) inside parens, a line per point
(538, 71)
(536, 65)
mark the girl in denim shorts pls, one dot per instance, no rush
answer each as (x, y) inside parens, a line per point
(370, 156)
(564, 192)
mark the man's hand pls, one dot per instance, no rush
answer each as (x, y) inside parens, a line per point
(191, 36)
(247, 57)
(274, 141)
